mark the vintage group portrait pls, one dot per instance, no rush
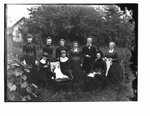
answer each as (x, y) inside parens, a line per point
(71, 52)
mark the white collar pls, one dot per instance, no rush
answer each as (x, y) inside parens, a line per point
(89, 46)
(111, 51)
(75, 50)
(63, 59)
(43, 61)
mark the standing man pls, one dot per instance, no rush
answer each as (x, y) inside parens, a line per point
(89, 55)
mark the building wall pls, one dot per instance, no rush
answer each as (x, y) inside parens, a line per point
(16, 34)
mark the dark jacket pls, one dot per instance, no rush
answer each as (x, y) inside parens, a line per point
(88, 62)
(48, 49)
(29, 49)
(58, 51)
(91, 52)
(99, 65)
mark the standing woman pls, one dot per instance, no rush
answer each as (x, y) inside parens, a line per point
(75, 61)
(49, 48)
(115, 73)
(29, 54)
(89, 55)
(60, 48)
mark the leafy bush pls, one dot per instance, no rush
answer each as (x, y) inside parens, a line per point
(18, 88)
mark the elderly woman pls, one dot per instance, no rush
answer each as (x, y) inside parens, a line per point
(60, 48)
(115, 72)
(99, 65)
(97, 76)
(75, 61)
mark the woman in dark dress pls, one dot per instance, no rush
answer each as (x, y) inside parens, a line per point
(49, 48)
(60, 48)
(99, 68)
(43, 69)
(97, 77)
(29, 57)
(65, 64)
(75, 61)
(89, 55)
(44, 74)
(115, 73)
(99, 64)
(29, 51)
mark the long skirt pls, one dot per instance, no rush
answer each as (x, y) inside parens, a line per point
(76, 68)
(45, 75)
(87, 64)
(67, 72)
(30, 61)
(115, 74)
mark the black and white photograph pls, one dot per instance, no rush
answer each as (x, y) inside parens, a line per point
(71, 52)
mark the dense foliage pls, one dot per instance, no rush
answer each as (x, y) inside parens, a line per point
(18, 87)
(75, 22)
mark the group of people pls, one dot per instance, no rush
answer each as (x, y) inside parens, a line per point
(74, 62)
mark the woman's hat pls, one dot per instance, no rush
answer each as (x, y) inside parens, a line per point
(100, 52)
(45, 54)
(29, 36)
(49, 37)
(75, 42)
(63, 51)
(62, 40)
(112, 43)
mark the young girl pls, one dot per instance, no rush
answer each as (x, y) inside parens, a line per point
(64, 64)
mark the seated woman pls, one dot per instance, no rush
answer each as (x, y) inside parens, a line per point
(99, 69)
(99, 66)
(64, 64)
(44, 70)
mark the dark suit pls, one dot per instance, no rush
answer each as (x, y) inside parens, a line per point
(88, 62)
